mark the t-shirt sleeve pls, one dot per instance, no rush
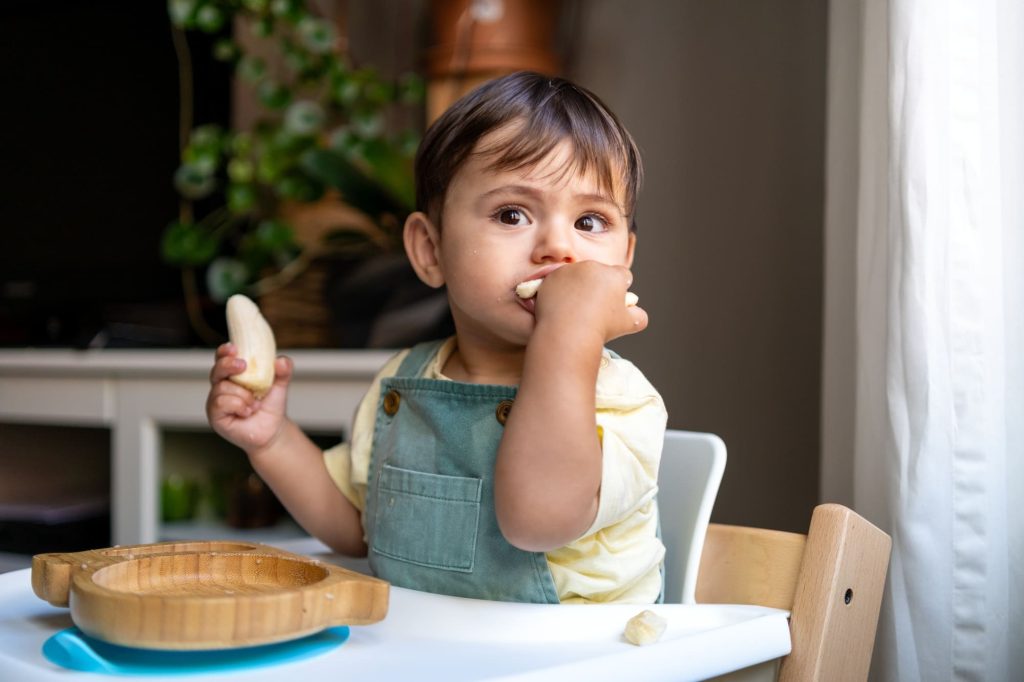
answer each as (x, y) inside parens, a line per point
(631, 420)
(348, 463)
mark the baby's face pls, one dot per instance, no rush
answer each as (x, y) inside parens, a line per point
(500, 228)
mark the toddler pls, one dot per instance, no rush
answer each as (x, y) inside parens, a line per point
(517, 460)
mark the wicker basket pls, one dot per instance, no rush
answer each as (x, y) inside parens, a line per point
(297, 312)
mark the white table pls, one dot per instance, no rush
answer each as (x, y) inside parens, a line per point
(434, 637)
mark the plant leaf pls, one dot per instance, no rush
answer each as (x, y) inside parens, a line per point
(392, 169)
(188, 244)
(224, 277)
(241, 197)
(182, 12)
(275, 235)
(192, 182)
(359, 190)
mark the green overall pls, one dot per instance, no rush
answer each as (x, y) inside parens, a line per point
(429, 516)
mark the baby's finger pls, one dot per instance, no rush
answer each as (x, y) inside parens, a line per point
(225, 404)
(225, 367)
(226, 348)
(231, 388)
(627, 275)
(640, 318)
(283, 369)
(636, 321)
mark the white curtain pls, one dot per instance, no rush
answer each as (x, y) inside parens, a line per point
(923, 409)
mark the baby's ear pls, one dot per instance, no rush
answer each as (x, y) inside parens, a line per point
(422, 245)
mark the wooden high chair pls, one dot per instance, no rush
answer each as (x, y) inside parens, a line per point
(830, 579)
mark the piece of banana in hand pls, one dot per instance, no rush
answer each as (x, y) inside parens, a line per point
(528, 289)
(254, 339)
(646, 627)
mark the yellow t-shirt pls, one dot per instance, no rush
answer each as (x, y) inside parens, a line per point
(618, 559)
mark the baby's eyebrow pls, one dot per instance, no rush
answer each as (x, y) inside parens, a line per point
(536, 193)
(600, 198)
(513, 189)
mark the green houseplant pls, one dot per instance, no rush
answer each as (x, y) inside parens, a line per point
(324, 132)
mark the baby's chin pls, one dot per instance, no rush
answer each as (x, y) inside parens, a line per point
(512, 330)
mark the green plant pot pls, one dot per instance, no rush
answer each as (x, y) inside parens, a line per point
(179, 498)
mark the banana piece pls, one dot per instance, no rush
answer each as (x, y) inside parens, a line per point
(528, 289)
(644, 628)
(254, 338)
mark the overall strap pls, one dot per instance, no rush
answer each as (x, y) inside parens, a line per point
(419, 356)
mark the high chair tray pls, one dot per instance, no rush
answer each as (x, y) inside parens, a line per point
(204, 595)
(430, 637)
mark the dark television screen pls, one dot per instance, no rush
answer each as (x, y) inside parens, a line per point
(89, 144)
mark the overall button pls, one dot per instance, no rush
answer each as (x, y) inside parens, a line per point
(504, 407)
(391, 401)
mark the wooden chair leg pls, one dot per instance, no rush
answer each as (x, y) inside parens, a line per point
(838, 597)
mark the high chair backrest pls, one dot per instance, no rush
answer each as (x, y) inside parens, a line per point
(831, 580)
(691, 470)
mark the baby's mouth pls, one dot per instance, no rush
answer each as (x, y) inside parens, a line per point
(529, 304)
(526, 293)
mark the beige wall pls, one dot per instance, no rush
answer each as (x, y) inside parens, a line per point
(726, 99)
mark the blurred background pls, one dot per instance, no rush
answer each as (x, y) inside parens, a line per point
(140, 187)
(829, 250)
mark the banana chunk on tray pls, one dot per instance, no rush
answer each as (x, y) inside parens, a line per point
(644, 628)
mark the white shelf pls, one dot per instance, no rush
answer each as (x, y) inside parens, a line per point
(137, 393)
(283, 530)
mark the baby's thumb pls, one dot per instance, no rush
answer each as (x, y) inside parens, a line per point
(284, 369)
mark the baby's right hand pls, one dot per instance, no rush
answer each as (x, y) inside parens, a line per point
(235, 413)
(590, 295)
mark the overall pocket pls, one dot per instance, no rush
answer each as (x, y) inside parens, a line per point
(427, 519)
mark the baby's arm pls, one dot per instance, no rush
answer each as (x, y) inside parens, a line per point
(548, 471)
(293, 467)
(290, 463)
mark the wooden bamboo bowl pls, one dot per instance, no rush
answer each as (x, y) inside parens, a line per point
(204, 595)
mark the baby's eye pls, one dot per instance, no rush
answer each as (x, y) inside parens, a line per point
(511, 216)
(591, 223)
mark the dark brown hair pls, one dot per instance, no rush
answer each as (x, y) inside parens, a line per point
(548, 111)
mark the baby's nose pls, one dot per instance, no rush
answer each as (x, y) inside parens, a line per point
(554, 243)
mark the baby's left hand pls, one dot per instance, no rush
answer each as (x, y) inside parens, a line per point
(590, 296)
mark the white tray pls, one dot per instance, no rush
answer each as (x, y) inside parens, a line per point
(433, 637)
